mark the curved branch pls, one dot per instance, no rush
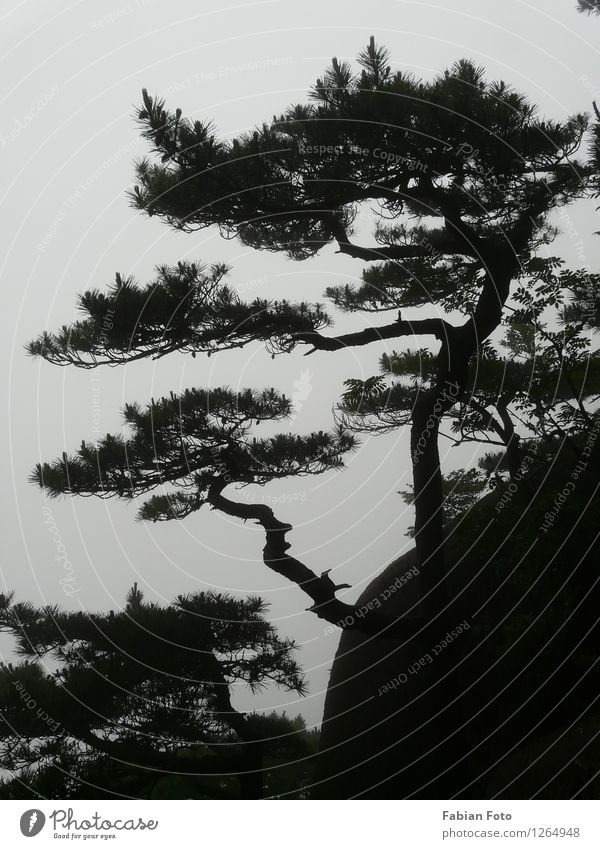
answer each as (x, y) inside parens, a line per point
(437, 327)
(450, 245)
(321, 590)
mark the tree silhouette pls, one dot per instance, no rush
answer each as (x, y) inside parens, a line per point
(200, 442)
(541, 388)
(589, 6)
(143, 695)
(465, 175)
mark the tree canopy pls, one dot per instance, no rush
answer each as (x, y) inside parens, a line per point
(142, 694)
(589, 6)
(461, 176)
(464, 173)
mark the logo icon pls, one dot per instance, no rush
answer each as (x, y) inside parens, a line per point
(302, 389)
(32, 822)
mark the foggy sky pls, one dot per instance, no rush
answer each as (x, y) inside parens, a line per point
(71, 76)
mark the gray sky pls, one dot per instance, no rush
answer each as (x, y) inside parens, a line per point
(72, 73)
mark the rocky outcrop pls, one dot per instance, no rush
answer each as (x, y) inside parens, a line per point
(522, 661)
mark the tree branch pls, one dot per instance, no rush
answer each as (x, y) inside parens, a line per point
(321, 590)
(437, 327)
(383, 252)
(142, 757)
(459, 238)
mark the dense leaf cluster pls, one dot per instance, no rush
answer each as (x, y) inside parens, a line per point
(141, 684)
(192, 441)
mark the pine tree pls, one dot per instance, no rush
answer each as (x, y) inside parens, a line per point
(143, 695)
(589, 7)
(525, 395)
(193, 446)
(465, 174)
(543, 375)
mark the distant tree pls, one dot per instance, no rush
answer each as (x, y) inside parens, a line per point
(290, 761)
(139, 701)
